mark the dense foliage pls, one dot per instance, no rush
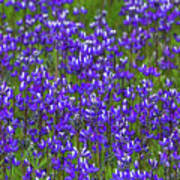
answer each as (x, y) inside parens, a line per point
(89, 93)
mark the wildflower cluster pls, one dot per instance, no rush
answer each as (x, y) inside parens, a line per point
(85, 102)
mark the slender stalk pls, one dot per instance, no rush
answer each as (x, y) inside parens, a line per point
(40, 115)
(57, 63)
(103, 4)
(2, 18)
(156, 46)
(25, 118)
(98, 159)
(111, 2)
(4, 169)
(169, 151)
(78, 148)
(40, 125)
(14, 21)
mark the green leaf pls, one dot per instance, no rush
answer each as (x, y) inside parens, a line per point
(43, 162)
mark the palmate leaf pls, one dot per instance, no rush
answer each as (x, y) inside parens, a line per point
(35, 162)
(1, 162)
(16, 173)
(43, 162)
(50, 62)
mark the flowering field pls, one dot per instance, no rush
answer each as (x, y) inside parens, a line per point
(89, 90)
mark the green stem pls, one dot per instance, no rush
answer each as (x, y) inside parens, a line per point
(57, 63)
(25, 118)
(78, 148)
(98, 160)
